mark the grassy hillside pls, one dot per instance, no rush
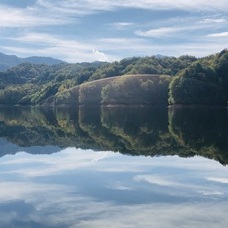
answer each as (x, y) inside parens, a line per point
(128, 89)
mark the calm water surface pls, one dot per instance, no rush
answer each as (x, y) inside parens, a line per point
(113, 167)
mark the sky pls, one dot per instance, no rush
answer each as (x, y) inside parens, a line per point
(107, 30)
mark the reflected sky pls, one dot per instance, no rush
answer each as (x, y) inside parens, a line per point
(83, 188)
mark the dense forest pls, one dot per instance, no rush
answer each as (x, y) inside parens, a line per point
(136, 80)
(204, 82)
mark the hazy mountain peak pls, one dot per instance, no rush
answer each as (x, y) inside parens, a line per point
(8, 61)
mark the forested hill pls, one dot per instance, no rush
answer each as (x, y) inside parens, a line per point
(194, 81)
(204, 82)
(30, 84)
(8, 61)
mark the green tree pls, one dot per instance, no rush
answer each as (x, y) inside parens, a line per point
(198, 84)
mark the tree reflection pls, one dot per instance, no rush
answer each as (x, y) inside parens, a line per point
(202, 130)
(148, 131)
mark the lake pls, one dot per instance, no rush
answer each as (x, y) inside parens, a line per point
(113, 167)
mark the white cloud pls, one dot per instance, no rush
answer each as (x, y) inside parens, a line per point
(158, 180)
(221, 34)
(178, 4)
(48, 12)
(58, 13)
(161, 215)
(58, 205)
(88, 6)
(122, 25)
(76, 51)
(127, 46)
(211, 193)
(218, 179)
(188, 27)
(59, 47)
(100, 56)
(140, 47)
(64, 162)
(28, 191)
(29, 17)
(212, 20)
(119, 186)
(160, 32)
(68, 206)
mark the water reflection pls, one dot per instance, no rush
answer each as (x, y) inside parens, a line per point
(137, 131)
(85, 184)
(83, 188)
(202, 130)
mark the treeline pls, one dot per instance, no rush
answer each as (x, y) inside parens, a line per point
(204, 82)
(31, 84)
(192, 81)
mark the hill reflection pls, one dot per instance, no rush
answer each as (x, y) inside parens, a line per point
(202, 130)
(147, 131)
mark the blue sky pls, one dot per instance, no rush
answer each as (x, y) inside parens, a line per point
(107, 30)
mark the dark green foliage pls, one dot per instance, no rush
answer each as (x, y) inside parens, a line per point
(165, 65)
(204, 82)
(192, 91)
(107, 70)
(200, 72)
(222, 70)
(12, 95)
(141, 130)
(146, 65)
(47, 91)
(68, 97)
(43, 81)
(201, 130)
(147, 89)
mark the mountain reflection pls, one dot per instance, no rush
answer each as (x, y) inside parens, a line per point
(148, 131)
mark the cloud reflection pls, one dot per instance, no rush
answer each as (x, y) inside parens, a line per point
(158, 180)
(83, 188)
(65, 160)
(218, 179)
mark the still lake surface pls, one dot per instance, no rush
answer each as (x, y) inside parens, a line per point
(113, 167)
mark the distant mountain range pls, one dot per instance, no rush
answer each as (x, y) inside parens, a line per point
(8, 61)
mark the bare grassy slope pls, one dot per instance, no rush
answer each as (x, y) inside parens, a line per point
(128, 89)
